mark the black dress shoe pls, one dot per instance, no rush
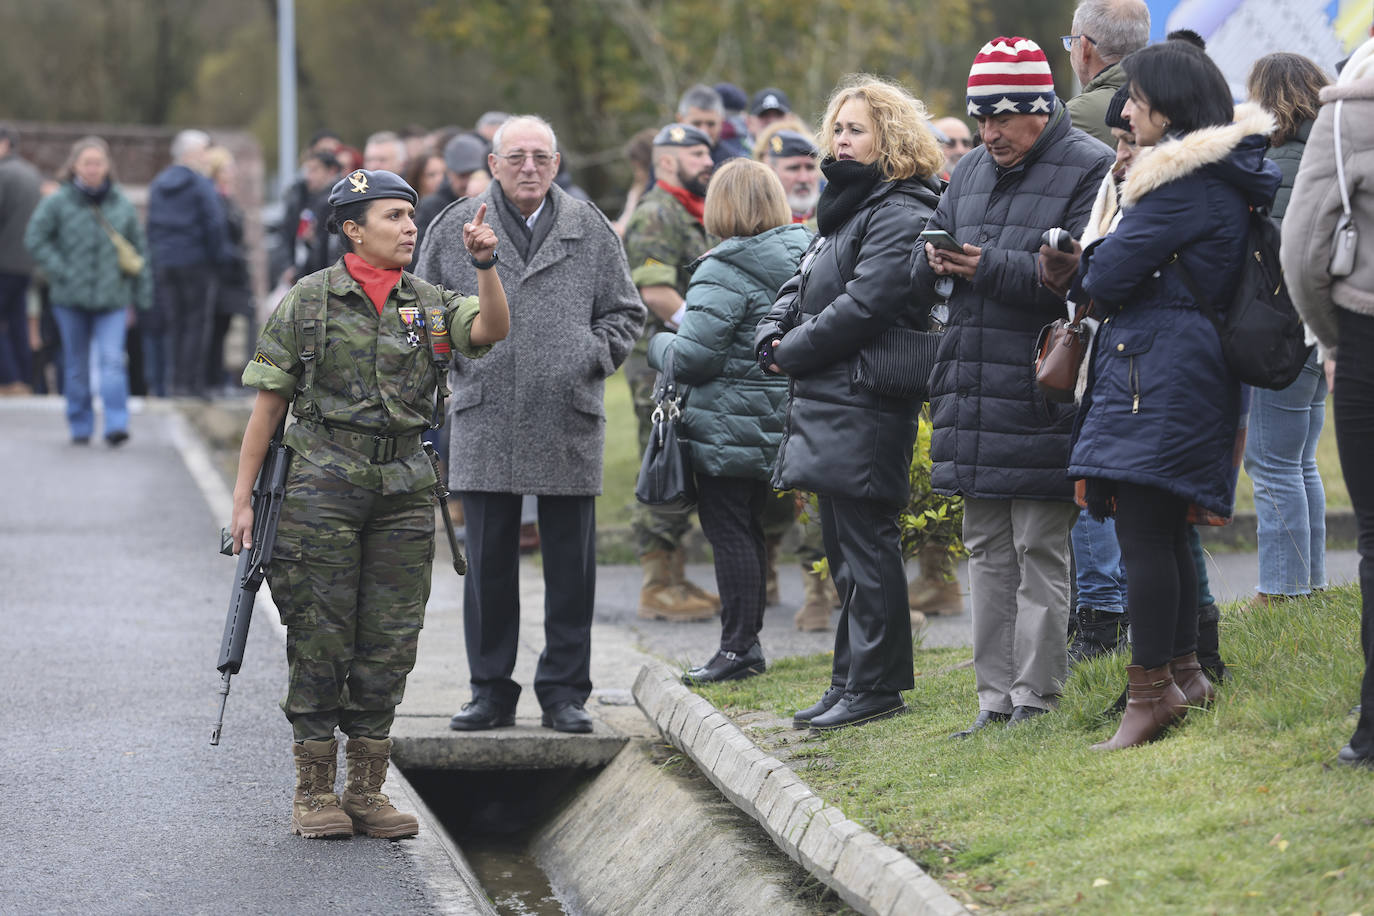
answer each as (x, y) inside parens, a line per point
(481, 714)
(1348, 757)
(568, 716)
(117, 438)
(727, 666)
(1021, 714)
(985, 718)
(802, 717)
(858, 708)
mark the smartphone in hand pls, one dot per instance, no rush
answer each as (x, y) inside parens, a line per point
(942, 239)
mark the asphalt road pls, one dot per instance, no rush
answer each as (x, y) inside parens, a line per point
(113, 598)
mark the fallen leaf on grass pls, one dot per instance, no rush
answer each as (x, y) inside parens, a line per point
(1100, 882)
(983, 887)
(1261, 789)
(1338, 873)
(1280, 842)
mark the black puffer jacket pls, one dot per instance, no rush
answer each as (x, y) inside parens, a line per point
(840, 439)
(995, 436)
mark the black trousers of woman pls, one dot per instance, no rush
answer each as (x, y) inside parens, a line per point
(1161, 579)
(730, 510)
(1354, 402)
(873, 637)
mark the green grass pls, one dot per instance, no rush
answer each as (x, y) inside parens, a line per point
(623, 456)
(1241, 809)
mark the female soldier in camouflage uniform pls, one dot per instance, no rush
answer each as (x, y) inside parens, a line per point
(357, 350)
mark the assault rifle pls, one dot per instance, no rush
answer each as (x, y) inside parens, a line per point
(268, 492)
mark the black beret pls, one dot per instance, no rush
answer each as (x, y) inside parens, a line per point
(769, 100)
(681, 135)
(786, 143)
(362, 184)
(1118, 102)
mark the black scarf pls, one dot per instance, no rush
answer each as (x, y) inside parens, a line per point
(525, 239)
(95, 196)
(848, 185)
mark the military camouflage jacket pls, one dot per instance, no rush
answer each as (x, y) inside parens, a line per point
(372, 376)
(662, 241)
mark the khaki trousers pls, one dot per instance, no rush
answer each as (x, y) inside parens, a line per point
(1018, 571)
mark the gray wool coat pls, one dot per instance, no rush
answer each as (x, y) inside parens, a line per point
(530, 416)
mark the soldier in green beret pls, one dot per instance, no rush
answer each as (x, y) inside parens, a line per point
(359, 352)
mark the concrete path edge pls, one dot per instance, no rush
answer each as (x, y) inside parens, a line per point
(869, 875)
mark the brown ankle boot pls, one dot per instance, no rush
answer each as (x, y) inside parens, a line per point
(694, 596)
(363, 801)
(315, 811)
(936, 590)
(770, 575)
(663, 598)
(1154, 702)
(814, 613)
(1188, 676)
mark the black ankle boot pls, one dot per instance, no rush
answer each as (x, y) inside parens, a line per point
(1099, 632)
(1209, 643)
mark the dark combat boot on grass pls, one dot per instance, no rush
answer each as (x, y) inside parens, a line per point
(363, 801)
(315, 811)
(1097, 633)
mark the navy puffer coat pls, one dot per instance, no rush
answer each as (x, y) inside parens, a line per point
(1162, 409)
(840, 439)
(995, 436)
(733, 414)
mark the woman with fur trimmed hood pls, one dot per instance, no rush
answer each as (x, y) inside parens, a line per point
(1157, 427)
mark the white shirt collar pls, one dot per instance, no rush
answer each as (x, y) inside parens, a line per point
(529, 221)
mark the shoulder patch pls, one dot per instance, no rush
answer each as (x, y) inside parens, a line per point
(653, 262)
(262, 358)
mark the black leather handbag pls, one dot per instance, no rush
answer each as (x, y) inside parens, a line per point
(897, 363)
(665, 477)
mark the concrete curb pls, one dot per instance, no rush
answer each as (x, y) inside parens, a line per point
(870, 876)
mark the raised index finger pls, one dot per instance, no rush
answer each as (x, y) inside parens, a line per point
(481, 215)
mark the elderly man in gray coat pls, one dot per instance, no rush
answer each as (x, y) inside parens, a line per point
(530, 419)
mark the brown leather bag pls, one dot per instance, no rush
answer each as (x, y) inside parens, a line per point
(1059, 354)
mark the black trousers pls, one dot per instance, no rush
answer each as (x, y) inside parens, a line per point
(731, 512)
(491, 596)
(873, 637)
(185, 296)
(1354, 403)
(1161, 578)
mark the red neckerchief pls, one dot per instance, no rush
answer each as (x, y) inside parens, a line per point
(376, 282)
(799, 219)
(695, 204)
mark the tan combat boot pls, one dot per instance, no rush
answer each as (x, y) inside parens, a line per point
(363, 801)
(770, 577)
(664, 596)
(935, 592)
(315, 811)
(817, 592)
(694, 596)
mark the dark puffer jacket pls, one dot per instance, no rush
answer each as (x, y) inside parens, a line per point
(1288, 157)
(186, 223)
(995, 436)
(840, 439)
(733, 415)
(1161, 409)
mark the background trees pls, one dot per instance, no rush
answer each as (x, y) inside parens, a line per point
(598, 69)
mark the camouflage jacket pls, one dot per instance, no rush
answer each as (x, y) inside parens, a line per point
(372, 377)
(662, 241)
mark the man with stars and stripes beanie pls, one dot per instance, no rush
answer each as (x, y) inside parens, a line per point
(1010, 76)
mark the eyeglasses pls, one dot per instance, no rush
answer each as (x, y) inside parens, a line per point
(1069, 39)
(517, 159)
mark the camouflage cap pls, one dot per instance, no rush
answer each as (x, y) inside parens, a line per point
(786, 143)
(364, 184)
(681, 135)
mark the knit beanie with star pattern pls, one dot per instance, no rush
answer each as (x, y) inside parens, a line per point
(1010, 76)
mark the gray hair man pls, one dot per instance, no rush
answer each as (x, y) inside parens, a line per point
(701, 107)
(188, 237)
(530, 419)
(1104, 31)
(792, 156)
(385, 151)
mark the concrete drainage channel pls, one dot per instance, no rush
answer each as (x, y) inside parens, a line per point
(606, 823)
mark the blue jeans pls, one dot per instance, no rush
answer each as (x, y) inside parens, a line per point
(155, 362)
(1101, 577)
(1290, 504)
(81, 330)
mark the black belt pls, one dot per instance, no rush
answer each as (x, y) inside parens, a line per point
(380, 448)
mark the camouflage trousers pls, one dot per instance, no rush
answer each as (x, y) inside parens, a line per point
(350, 573)
(655, 527)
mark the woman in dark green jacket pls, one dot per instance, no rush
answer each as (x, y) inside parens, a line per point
(734, 413)
(75, 235)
